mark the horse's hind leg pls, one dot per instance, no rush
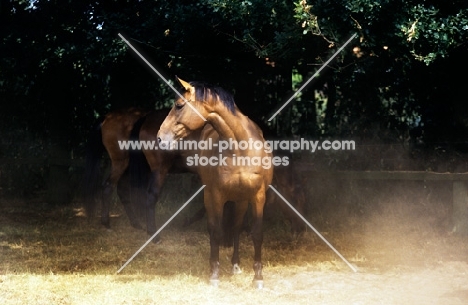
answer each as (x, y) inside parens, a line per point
(117, 170)
(106, 199)
(123, 190)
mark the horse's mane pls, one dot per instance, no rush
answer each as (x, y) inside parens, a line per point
(207, 92)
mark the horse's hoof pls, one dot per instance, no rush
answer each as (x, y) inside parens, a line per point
(257, 284)
(214, 283)
(236, 269)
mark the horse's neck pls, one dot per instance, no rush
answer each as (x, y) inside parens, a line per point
(230, 125)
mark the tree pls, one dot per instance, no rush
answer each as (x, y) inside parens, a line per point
(403, 46)
(259, 50)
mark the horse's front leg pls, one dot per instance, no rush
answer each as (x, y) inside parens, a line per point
(240, 210)
(214, 229)
(214, 217)
(150, 203)
(257, 238)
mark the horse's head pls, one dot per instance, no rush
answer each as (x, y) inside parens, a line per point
(192, 109)
(187, 115)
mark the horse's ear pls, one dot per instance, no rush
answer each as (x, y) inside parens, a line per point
(186, 85)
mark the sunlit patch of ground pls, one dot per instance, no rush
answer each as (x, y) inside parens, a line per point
(53, 256)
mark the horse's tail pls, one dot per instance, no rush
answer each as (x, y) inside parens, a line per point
(94, 150)
(139, 170)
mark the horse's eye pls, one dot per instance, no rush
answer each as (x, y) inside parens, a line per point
(179, 106)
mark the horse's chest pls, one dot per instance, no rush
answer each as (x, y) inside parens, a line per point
(240, 185)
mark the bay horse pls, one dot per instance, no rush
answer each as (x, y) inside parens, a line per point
(104, 136)
(286, 183)
(228, 181)
(149, 167)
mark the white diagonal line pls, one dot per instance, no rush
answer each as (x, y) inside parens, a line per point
(161, 76)
(313, 76)
(160, 229)
(316, 232)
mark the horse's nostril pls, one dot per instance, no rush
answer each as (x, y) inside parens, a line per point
(159, 140)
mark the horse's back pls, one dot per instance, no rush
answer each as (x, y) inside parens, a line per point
(117, 126)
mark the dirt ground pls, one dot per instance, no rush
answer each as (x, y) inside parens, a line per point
(52, 256)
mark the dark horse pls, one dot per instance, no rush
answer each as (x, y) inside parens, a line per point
(123, 125)
(228, 181)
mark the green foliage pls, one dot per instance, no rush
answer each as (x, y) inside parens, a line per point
(432, 34)
(383, 81)
(257, 49)
(423, 29)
